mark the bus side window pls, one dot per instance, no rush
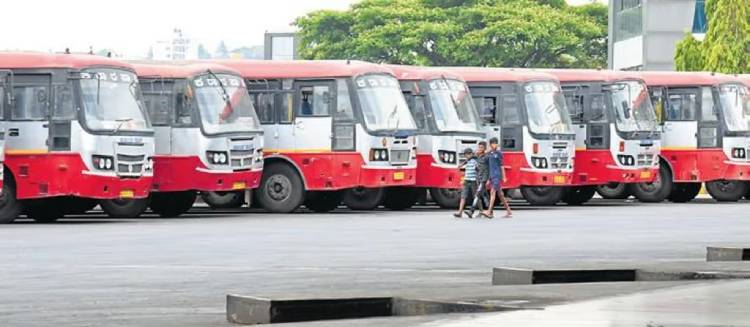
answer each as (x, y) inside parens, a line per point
(156, 102)
(344, 111)
(416, 105)
(574, 102)
(598, 109)
(264, 104)
(314, 101)
(681, 106)
(63, 108)
(184, 104)
(708, 110)
(658, 102)
(510, 111)
(31, 103)
(487, 108)
(2, 102)
(286, 108)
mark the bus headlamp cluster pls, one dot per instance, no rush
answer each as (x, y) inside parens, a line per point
(217, 157)
(626, 160)
(103, 162)
(448, 157)
(149, 164)
(539, 162)
(739, 153)
(378, 154)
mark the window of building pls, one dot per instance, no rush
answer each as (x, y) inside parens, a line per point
(628, 19)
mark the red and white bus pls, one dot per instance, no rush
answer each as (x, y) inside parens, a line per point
(208, 137)
(705, 122)
(448, 123)
(330, 127)
(526, 110)
(77, 135)
(617, 135)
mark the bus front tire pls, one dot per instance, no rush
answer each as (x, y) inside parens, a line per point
(361, 198)
(172, 204)
(124, 208)
(10, 207)
(656, 191)
(613, 191)
(446, 198)
(224, 200)
(726, 191)
(578, 195)
(323, 201)
(401, 198)
(684, 192)
(281, 189)
(542, 195)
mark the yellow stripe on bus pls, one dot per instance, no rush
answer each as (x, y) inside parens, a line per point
(296, 150)
(32, 151)
(677, 148)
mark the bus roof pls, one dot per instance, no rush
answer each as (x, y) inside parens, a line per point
(593, 75)
(419, 73)
(487, 74)
(35, 60)
(280, 69)
(686, 78)
(171, 69)
(746, 79)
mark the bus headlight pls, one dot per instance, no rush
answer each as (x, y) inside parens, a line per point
(149, 164)
(539, 162)
(739, 153)
(626, 160)
(378, 154)
(448, 157)
(217, 157)
(103, 162)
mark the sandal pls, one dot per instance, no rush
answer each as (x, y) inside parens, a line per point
(469, 214)
(457, 215)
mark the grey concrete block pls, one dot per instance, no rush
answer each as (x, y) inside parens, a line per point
(515, 276)
(512, 276)
(727, 254)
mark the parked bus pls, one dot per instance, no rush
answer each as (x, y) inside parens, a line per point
(208, 138)
(617, 136)
(77, 135)
(330, 127)
(705, 122)
(526, 111)
(448, 123)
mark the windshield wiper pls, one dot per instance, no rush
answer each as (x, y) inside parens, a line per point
(121, 122)
(398, 118)
(224, 93)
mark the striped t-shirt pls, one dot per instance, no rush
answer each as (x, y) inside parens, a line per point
(470, 172)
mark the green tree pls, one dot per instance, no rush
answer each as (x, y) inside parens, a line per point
(726, 47)
(510, 33)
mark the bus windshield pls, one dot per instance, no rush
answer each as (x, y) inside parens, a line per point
(452, 107)
(224, 105)
(634, 111)
(383, 104)
(735, 103)
(545, 104)
(111, 101)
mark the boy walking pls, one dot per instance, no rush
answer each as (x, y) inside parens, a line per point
(470, 181)
(496, 178)
(483, 175)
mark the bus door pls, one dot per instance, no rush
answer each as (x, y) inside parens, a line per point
(6, 84)
(709, 135)
(679, 113)
(312, 128)
(158, 95)
(28, 123)
(62, 112)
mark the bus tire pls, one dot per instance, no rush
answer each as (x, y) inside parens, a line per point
(224, 200)
(78, 206)
(172, 204)
(124, 208)
(281, 189)
(446, 198)
(401, 198)
(44, 211)
(614, 191)
(726, 191)
(684, 192)
(747, 195)
(542, 196)
(323, 201)
(10, 207)
(578, 195)
(656, 191)
(360, 198)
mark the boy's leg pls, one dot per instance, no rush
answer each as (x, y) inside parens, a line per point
(508, 212)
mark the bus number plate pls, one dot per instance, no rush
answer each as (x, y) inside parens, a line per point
(127, 194)
(645, 175)
(558, 179)
(239, 186)
(398, 176)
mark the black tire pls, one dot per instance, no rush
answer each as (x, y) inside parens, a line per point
(401, 198)
(726, 191)
(747, 195)
(124, 208)
(578, 195)
(361, 198)
(542, 195)
(224, 200)
(281, 189)
(44, 211)
(323, 201)
(446, 198)
(78, 206)
(614, 191)
(10, 207)
(656, 191)
(172, 204)
(684, 192)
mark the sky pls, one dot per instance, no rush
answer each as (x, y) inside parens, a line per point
(130, 27)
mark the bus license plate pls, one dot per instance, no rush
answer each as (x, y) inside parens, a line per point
(127, 194)
(645, 175)
(239, 186)
(398, 176)
(559, 179)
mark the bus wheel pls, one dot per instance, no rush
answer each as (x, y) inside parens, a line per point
(360, 198)
(124, 208)
(78, 206)
(44, 211)
(446, 198)
(747, 195)
(542, 196)
(281, 189)
(401, 198)
(10, 207)
(618, 191)
(224, 200)
(684, 192)
(323, 201)
(172, 204)
(726, 191)
(656, 191)
(578, 195)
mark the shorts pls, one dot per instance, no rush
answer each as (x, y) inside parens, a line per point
(467, 191)
(496, 183)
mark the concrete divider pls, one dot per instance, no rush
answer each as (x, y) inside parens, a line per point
(518, 276)
(714, 253)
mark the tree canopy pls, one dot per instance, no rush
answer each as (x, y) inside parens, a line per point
(726, 47)
(507, 33)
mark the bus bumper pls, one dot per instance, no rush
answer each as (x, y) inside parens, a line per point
(432, 175)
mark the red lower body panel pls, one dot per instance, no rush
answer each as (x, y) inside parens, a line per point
(173, 174)
(700, 165)
(429, 175)
(518, 173)
(64, 174)
(597, 167)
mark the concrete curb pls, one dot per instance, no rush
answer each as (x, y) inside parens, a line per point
(727, 254)
(518, 276)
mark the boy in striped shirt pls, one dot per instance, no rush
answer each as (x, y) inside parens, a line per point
(470, 181)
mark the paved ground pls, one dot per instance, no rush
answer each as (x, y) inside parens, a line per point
(93, 271)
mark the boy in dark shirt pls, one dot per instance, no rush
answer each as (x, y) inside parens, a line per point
(483, 175)
(496, 178)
